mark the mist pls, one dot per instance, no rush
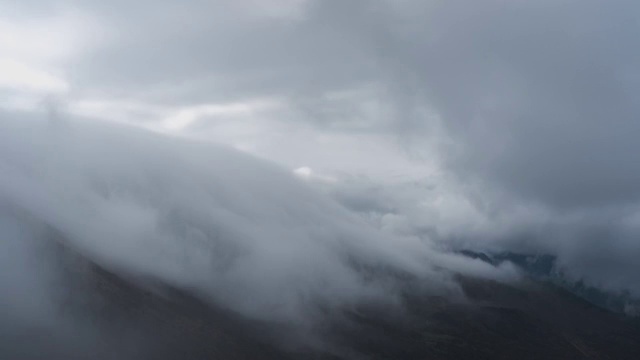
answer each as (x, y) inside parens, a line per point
(231, 229)
(286, 159)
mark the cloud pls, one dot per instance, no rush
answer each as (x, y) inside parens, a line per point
(508, 125)
(233, 229)
(545, 111)
(536, 101)
(15, 75)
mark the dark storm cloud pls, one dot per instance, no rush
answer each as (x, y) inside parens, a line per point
(537, 106)
(538, 96)
(538, 100)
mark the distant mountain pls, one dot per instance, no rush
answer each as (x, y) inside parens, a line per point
(542, 267)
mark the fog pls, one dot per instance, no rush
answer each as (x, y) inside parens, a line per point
(229, 228)
(269, 154)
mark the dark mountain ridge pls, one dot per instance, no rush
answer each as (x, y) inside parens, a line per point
(137, 319)
(544, 268)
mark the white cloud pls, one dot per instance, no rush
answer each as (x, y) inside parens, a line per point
(307, 174)
(36, 51)
(186, 116)
(20, 77)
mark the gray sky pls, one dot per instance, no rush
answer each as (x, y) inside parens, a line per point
(489, 124)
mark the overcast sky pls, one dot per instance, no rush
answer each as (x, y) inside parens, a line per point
(488, 124)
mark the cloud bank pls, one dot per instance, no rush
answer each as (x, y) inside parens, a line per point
(491, 125)
(230, 228)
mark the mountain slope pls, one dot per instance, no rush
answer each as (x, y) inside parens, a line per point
(529, 320)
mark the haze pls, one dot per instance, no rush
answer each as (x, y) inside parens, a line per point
(262, 153)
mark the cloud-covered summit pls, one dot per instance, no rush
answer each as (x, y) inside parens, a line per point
(502, 125)
(231, 228)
